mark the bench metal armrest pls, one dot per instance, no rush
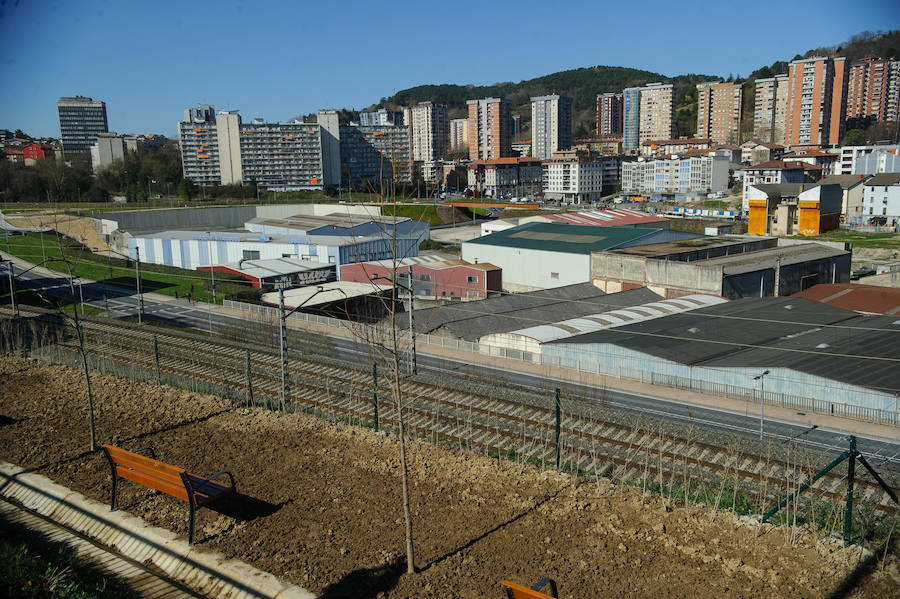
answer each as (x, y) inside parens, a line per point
(218, 474)
(543, 581)
(147, 449)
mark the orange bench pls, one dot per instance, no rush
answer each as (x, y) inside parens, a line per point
(171, 480)
(517, 591)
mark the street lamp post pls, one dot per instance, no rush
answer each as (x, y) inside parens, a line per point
(762, 400)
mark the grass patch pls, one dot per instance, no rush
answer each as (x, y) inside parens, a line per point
(888, 241)
(155, 278)
(27, 571)
(428, 213)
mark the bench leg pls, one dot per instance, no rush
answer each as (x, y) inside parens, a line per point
(113, 504)
(191, 526)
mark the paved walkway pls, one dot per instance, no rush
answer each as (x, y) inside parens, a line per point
(34, 528)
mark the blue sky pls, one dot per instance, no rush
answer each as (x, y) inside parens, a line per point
(151, 60)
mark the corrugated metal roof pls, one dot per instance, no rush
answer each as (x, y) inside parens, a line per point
(719, 330)
(263, 269)
(317, 295)
(873, 360)
(606, 218)
(471, 320)
(614, 318)
(558, 237)
(852, 296)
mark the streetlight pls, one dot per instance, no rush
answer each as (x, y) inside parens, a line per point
(285, 380)
(762, 399)
(411, 353)
(12, 293)
(212, 279)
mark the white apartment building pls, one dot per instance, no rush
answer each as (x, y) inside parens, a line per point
(869, 160)
(573, 176)
(219, 149)
(770, 109)
(459, 133)
(551, 125)
(428, 131)
(111, 147)
(380, 118)
(656, 111)
(676, 176)
(881, 200)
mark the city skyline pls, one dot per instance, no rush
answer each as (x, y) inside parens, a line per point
(148, 64)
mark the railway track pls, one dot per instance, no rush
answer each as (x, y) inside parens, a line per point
(519, 428)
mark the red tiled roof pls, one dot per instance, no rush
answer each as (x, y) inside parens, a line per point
(859, 298)
(605, 218)
(779, 165)
(508, 160)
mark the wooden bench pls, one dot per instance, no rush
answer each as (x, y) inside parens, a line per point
(517, 591)
(171, 480)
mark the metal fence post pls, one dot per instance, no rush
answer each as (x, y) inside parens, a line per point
(558, 452)
(249, 381)
(375, 393)
(156, 355)
(848, 510)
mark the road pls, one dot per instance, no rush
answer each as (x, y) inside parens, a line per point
(122, 302)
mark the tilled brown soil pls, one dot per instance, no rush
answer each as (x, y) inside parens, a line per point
(321, 505)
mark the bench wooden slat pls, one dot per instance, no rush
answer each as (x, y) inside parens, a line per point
(165, 486)
(163, 477)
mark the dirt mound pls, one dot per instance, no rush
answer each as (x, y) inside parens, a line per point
(320, 505)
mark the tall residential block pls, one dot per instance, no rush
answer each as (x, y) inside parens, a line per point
(428, 130)
(631, 119)
(719, 108)
(381, 117)
(609, 114)
(817, 96)
(80, 120)
(657, 111)
(219, 149)
(489, 129)
(770, 109)
(551, 125)
(459, 133)
(516, 125)
(373, 154)
(872, 90)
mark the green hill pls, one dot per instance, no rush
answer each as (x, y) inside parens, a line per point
(584, 84)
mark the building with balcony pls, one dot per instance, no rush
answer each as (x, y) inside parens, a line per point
(381, 117)
(881, 200)
(505, 177)
(661, 147)
(719, 109)
(816, 104)
(873, 91)
(770, 109)
(869, 160)
(678, 177)
(458, 133)
(489, 125)
(609, 114)
(778, 171)
(428, 131)
(573, 176)
(551, 125)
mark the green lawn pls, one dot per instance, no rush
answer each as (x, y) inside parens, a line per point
(863, 240)
(27, 571)
(155, 278)
(426, 212)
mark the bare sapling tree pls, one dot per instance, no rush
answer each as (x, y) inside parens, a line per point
(80, 334)
(388, 342)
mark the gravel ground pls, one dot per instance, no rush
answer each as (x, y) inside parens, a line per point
(319, 505)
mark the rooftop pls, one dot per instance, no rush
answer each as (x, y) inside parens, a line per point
(617, 317)
(563, 238)
(508, 312)
(779, 165)
(845, 181)
(606, 218)
(714, 332)
(859, 298)
(264, 269)
(434, 262)
(687, 245)
(768, 258)
(306, 222)
(326, 293)
(884, 179)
